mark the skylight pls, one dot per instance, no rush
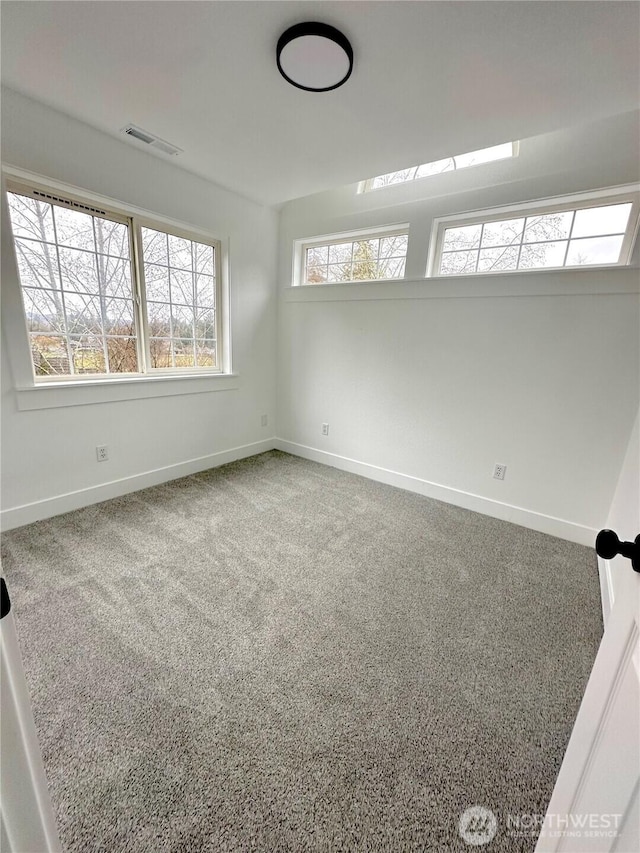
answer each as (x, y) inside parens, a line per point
(449, 164)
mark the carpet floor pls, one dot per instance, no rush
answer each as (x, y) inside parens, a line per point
(276, 655)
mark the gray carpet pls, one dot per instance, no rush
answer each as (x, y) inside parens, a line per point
(279, 656)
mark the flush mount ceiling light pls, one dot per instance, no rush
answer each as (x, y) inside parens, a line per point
(314, 57)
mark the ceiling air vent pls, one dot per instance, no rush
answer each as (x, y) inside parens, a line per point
(151, 140)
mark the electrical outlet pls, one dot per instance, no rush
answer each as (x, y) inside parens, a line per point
(499, 471)
(325, 429)
(102, 453)
(264, 420)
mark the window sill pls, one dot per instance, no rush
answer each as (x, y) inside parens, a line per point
(93, 391)
(564, 282)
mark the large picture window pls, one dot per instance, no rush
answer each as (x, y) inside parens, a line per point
(105, 294)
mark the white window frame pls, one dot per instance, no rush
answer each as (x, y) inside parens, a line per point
(599, 198)
(21, 183)
(143, 222)
(300, 252)
(367, 186)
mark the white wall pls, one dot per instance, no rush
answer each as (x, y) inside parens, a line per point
(438, 380)
(432, 382)
(50, 452)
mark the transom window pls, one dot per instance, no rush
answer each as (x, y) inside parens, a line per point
(369, 257)
(555, 237)
(447, 164)
(91, 310)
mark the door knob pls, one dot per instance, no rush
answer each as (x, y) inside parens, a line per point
(5, 601)
(608, 545)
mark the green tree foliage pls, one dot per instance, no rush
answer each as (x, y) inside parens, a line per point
(365, 263)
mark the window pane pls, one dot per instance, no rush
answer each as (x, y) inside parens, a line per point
(74, 228)
(549, 226)
(340, 253)
(154, 247)
(83, 314)
(316, 275)
(37, 264)
(365, 260)
(88, 354)
(78, 271)
(484, 155)
(122, 354)
(112, 238)
(156, 280)
(540, 255)
(160, 352)
(204, 258)
(205, 323)
(504, 233)
(317, 256)
(206, 353)
(395, 177)
(498, 259)
(365, 249)
(184, 353)
(338, 272)
(345, 271)
(393, 247)
(119, 317)
(363, 270)
(50, 355)
(115, 277)
(43, 309)
(205, 291)
(391, 268)
(180, 253)
(465, 237)
(182, 287)
(595, 250)
(31, 218)
(159, 319)
(435, 168)
(594, 221)
(458, 263)
(182, 322)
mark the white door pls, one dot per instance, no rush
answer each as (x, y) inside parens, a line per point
(27, 823)
(595, 807)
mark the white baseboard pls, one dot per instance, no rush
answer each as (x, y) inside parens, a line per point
(36, 511)
(606, 588)
(559, 527)
(28, 513)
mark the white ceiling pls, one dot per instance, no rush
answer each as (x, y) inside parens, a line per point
(430, 79)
